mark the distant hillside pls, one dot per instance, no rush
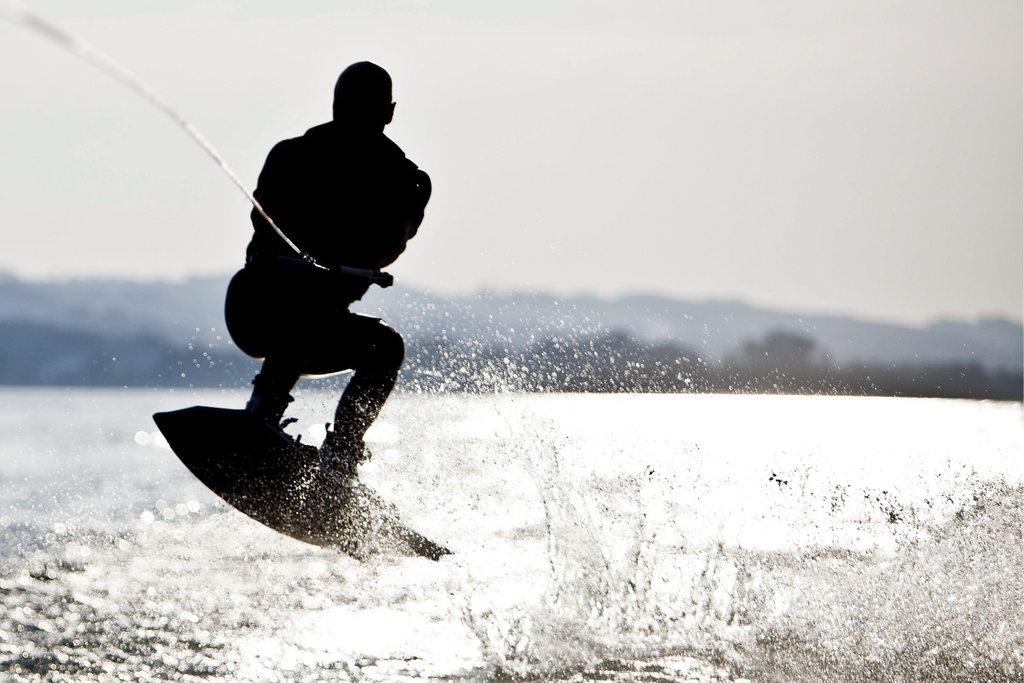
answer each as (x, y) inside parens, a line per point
(171, 310)
(173, 333)
(34, 353)
(717, 329)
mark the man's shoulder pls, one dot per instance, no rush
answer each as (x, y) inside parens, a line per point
(328, 139)
(392, 148)
(319, 132)
(301, 145)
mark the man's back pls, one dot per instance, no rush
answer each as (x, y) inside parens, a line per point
(346, 197)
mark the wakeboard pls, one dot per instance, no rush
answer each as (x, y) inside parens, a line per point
(265, 474)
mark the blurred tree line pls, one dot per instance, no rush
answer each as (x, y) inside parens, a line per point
(779, 363)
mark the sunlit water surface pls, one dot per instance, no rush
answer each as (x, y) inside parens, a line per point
(613, 538)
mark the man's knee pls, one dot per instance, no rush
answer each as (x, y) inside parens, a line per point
(389, 349)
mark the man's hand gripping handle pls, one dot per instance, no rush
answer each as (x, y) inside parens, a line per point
(376, 277)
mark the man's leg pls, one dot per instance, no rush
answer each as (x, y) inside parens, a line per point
(375, 352)
(253, 312)
(270, 388)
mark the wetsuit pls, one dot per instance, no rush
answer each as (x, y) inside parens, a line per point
(346, 197)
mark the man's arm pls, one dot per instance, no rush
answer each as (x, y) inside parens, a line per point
(421, 196)
(275, 186)
(413, 194)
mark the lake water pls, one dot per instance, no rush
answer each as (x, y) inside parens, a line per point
(610, 538)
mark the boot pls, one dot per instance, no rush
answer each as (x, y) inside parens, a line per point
(268, 406)
(340, 454)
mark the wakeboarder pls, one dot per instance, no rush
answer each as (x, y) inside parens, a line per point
(347, 197)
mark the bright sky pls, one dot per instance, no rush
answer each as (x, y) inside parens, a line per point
(852, 156)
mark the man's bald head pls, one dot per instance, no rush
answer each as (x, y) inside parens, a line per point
(362, 96)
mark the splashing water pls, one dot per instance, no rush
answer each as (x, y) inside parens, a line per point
(615, 538)
(913, 581)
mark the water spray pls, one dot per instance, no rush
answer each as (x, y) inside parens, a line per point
(21, 15)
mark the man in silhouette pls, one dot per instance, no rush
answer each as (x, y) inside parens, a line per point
(347, 196)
